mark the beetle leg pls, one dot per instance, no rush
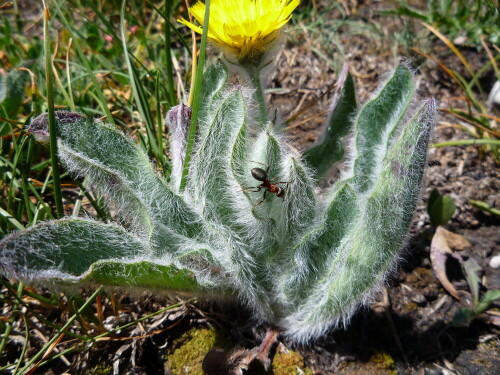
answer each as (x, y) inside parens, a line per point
(258, 188)
(258, 162)
(263, 199)
(281, 182)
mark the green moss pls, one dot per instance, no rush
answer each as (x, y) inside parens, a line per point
(191, 348)
(420, 277)
(289, 363)
(410, 307)
(99, 370)
(385, 362)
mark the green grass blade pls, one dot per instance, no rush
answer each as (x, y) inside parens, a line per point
(173, 27)
(54, 155)
(162, 159)
(197, 97)
(138, 89)
(169, 67)
(9, 325)
(467, 142)
(86, 64)
(70, 321)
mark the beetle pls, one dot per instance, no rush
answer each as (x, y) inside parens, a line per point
(267, 184)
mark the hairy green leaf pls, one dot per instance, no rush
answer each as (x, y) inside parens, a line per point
(214, 80)
(12, 87)
(119, 170)
(143, 274)
(250, 220)
(66, 248)
(377, 124)
(330, 150)
(368, 250)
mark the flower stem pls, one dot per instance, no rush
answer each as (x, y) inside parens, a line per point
(254, 75)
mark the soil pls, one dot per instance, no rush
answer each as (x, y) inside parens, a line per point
(410, 328)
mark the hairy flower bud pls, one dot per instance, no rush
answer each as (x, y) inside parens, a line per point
(39, 127)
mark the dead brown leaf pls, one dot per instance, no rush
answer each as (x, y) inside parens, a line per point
(444, 243)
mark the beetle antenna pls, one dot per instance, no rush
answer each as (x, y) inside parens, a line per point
(258, 162)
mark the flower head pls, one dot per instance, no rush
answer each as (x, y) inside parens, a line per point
(244, 27)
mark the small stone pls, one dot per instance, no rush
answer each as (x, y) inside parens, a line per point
(110, 323)
(495, 262)
(419, 299)
(494, 96)
(460, 40)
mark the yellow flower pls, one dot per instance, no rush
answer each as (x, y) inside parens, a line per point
(244, 27)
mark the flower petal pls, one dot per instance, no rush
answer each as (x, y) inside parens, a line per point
(247, 27)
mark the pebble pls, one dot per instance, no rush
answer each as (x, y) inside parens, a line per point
(110, 323)
(419, 299)
(494, 96)
(495, 262)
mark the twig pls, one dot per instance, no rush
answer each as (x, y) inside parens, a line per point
(388, 314)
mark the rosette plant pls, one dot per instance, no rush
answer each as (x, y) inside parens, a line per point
(302, 260)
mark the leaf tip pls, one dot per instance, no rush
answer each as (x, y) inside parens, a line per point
(39, 127)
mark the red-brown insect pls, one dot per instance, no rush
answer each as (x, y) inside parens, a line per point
(267, 184)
